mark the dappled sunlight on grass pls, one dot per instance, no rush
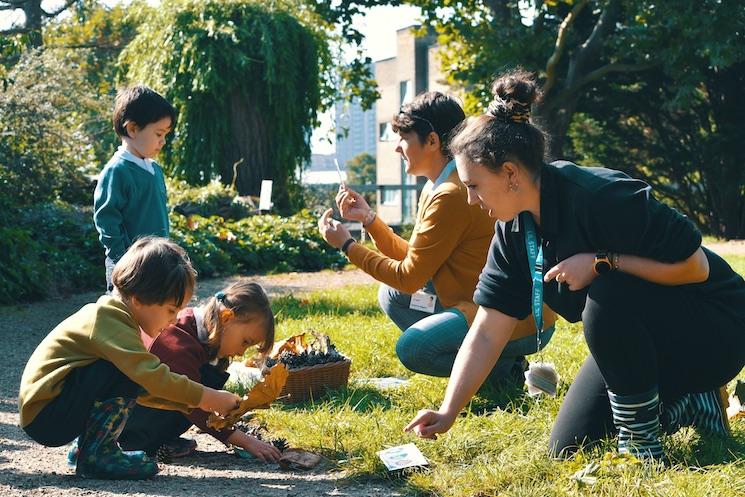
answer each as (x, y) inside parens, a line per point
(498, 446)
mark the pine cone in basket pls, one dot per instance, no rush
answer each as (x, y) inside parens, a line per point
(313, 357)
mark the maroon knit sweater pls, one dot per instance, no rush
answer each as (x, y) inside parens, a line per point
(179, 348)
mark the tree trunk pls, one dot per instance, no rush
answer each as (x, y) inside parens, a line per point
(249, 145)
(726, 161)
(555, 121)
(251, 155)
(33, 12)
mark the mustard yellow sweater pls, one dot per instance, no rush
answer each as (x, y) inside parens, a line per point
(449, 245)
(104, 330)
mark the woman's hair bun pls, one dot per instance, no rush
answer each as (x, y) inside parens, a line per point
(513, 94)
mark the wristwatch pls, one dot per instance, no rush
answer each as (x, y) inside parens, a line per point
(345, 246)
(602, 263)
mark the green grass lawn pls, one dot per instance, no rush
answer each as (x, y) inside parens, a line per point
(490, 450)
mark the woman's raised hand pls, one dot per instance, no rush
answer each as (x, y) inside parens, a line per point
(576, 271)
(332, 230)
(351, 204)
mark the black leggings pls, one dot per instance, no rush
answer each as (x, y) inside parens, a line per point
(65, 416)
(642, 335)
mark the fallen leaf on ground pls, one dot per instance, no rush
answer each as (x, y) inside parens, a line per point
(298, 459)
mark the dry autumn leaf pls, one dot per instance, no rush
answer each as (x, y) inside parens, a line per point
(260, 397)
(295, 343)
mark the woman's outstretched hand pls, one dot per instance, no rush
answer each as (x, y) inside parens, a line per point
(427, 423)
(332, 230)
(352, 205)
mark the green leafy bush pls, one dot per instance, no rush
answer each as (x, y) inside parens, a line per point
(45, 144)
(49, 249)
(53, 248)
(214, 199)
(265, 243)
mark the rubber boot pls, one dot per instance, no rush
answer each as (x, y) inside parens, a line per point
(74, 451)
(100, 456)
(706, 411)
(638, 421)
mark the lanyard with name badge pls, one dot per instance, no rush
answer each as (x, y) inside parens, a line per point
(534, 248)
(541, 377)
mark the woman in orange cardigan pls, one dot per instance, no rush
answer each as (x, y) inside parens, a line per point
(428, 282)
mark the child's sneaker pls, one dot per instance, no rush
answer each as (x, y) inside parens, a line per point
(176, 448)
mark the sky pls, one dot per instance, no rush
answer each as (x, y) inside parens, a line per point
(379, 26)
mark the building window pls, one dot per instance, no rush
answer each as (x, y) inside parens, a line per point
(386, 132)
(405, 91)
(391, 196)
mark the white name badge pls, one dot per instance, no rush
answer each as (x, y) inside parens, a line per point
(422, 301)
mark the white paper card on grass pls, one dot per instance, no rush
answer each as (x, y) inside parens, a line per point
(402, 456)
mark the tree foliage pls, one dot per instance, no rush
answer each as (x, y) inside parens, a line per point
(356, 81)
(361, 170)
(94, 35)
(34, 17)
(679, 63)
(245, 79)
(92, 38)
(44, 115)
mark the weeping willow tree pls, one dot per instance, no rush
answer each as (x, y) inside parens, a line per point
(244, 76)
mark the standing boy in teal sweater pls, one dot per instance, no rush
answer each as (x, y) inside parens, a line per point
(130, 199)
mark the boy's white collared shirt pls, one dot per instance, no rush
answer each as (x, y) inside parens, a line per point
(146, 164)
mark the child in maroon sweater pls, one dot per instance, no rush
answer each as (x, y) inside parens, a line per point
(198, 346)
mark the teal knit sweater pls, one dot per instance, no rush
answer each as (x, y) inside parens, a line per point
(129, 203)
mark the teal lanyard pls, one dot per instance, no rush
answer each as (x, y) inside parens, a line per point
(534, 247)
(445, 174)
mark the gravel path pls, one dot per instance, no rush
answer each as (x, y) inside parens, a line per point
(28, 469)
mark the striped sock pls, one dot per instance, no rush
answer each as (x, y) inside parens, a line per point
(638, 421)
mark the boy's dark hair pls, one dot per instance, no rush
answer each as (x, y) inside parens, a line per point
(428, 112)
(142, 106)
(155, 270)
(248, 301)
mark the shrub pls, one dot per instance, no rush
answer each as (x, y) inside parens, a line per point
(49, 249)
(214, 199)
(45, 113)
(53, 248)
(265, 243)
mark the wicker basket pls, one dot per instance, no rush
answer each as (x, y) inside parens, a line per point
(311, 381)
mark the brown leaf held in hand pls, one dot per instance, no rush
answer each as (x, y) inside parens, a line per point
(260, 397)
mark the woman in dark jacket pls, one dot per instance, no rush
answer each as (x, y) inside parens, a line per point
(664, 318)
